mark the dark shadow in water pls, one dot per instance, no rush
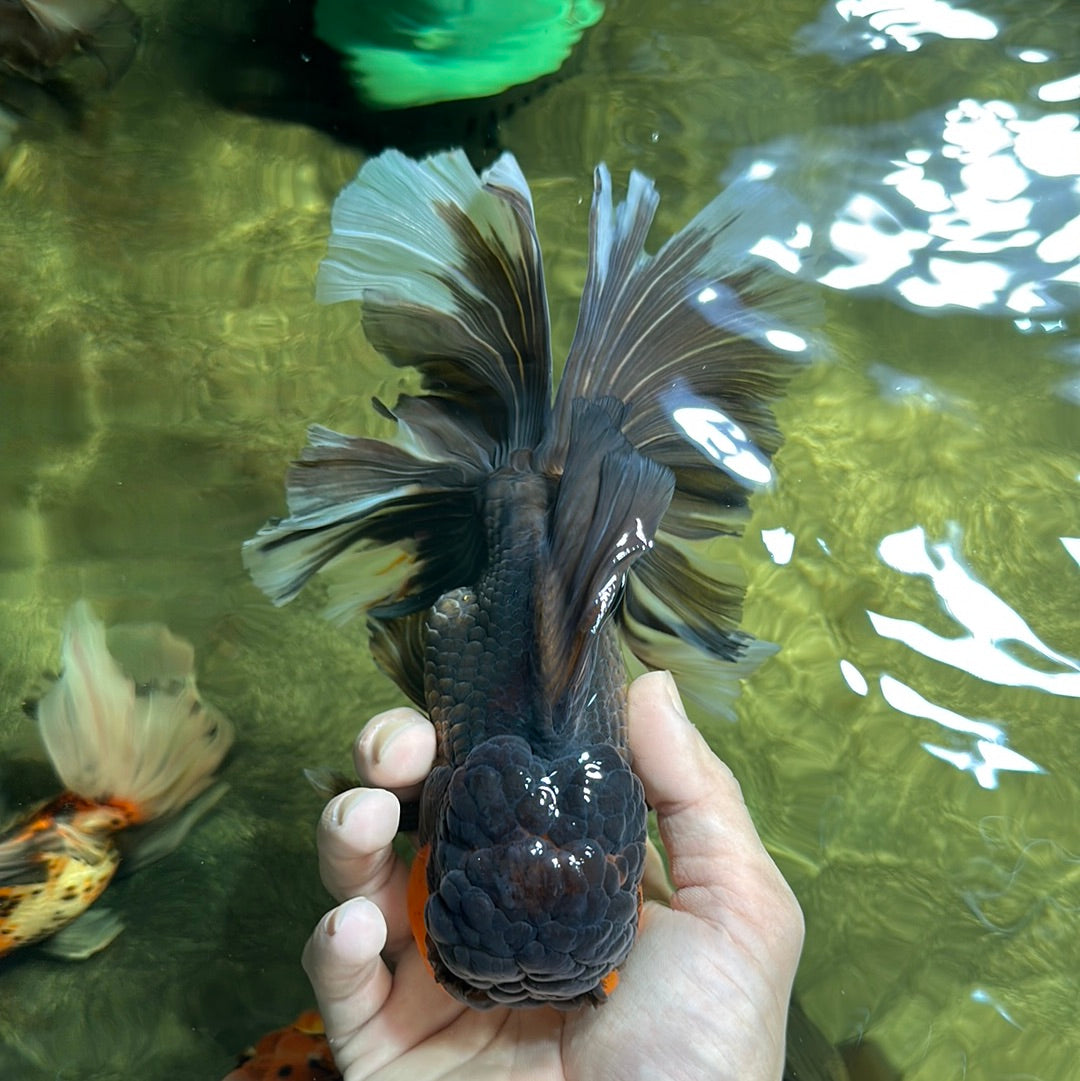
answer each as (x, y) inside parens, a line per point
(273, 66)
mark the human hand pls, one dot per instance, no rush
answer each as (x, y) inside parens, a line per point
(703, 995)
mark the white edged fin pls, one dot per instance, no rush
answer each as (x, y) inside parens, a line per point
(90, 933)
(156, 748)
(681, 612)
(447, 265)
(390, 527)
(702, 331)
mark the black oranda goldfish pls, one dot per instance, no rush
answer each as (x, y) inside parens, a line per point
(128, 751)
(508, 541)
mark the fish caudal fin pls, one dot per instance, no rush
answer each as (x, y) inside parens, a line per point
(154, 746)
(697, 340)
(447, 267)
(609, 503)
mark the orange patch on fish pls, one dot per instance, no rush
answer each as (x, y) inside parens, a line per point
(416, 899)
(62, 856)
(299, 1051)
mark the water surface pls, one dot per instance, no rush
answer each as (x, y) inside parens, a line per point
(911, 755)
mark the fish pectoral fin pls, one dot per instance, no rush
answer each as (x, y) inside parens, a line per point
(143, 845)
(328, 782)
(397, 644)
(83, 937)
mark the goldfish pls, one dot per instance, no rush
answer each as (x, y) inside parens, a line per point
(129, 749)
(517, 540)
(299, 1051)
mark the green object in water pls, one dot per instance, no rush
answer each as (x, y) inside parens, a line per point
(421, 51)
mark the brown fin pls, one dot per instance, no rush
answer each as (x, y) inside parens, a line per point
(398, 648)
(447, 265)
(694, 337)
(394, 525)
(609, 503)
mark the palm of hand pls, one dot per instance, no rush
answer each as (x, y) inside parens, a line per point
(704, 993)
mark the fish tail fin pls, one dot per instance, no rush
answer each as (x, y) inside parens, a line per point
(609, 503)
(699, 340)
(446, 265)
(149, 743)
(391, 525)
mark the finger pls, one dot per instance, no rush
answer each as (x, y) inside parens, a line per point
(395, 750)
(356, 858)
(349, 979)
(718, 863)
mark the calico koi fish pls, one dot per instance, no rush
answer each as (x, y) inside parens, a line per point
(129, 751)
(508, 544)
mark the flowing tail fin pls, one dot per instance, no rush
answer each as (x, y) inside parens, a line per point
(153, 746)
(697, 339)
(447, 267)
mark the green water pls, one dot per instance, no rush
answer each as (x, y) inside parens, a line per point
(161, 354)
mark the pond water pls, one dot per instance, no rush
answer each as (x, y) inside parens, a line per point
(912, 753)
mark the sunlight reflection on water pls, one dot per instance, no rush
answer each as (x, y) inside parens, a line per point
(992, 626)
(976, 206)
(853, 28)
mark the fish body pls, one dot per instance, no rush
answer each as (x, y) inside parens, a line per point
(510, 545)
(299, 1051)
(54, 864)
(129, 754)
(534, 817)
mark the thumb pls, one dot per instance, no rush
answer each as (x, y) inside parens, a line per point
(718, 864)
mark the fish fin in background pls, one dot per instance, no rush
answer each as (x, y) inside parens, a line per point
(696, 340)
(39, 34)
(610, 501)
(154, 747)
(155, 840)
(86, 935)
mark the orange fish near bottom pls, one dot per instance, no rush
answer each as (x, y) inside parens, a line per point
(129, 749)
(299, 1052)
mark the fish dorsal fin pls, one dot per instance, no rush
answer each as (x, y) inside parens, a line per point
(447, 265)
(609, 503)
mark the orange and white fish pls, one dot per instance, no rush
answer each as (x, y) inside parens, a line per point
(129, 748)
(299, 1051)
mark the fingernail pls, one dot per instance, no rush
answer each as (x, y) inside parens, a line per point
(345, 806)
(342, 915)
(385, 736)
(673, 695)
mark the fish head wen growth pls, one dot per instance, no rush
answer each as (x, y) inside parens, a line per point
(512, 546)
(530, 887)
